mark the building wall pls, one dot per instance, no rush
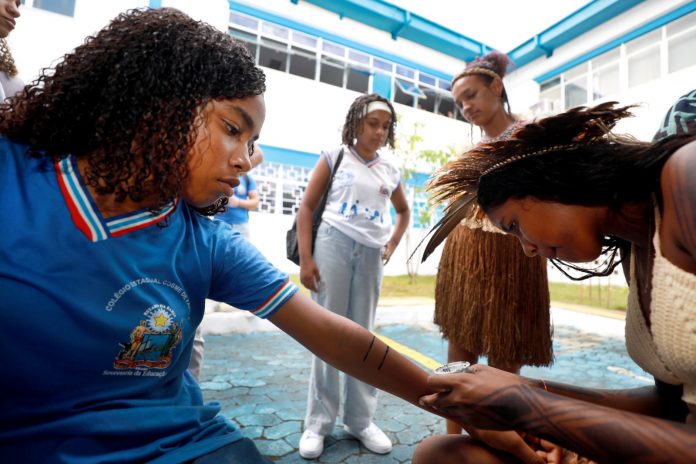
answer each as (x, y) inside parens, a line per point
(654, 96)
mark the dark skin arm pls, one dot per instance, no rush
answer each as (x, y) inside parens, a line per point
(309, 272)
(403, 216)
(678, 228)
(661, 402)
(351, 348)
(492, 399)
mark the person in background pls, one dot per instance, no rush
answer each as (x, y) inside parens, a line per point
(490, 299)
(10, 84)
(569, 189)
(244, 199)
(110, 165)
(344, 268)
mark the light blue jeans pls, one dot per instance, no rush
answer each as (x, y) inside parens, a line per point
(351, 277)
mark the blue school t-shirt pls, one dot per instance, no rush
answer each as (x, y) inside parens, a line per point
(98, 318)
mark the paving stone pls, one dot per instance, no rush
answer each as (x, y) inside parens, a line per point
(282, 430)
(274, 447)
(340, 451)
(265, 420)
(253, 432)
(215, 385)
(238, 411)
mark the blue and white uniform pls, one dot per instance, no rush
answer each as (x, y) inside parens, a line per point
(359, 201)
(356, 224)
(98, 317)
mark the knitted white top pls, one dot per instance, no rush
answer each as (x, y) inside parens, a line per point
(667, 349)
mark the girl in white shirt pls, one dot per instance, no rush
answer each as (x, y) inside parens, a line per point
(344, 270)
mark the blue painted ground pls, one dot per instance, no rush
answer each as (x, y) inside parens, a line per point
(261, 381)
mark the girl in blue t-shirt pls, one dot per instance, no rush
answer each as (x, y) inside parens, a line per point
(108, 165)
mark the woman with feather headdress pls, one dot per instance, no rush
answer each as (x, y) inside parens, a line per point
(571, 190)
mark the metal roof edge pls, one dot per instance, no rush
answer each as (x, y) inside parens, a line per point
(577, 23)
(400, 22)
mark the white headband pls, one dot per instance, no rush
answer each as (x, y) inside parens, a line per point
(375, 106)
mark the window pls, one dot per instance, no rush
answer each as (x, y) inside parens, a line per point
(64, 7)
(278, 47)
(358, 79)
(333, 49)
(304, 40)
(331, 71)
(405, 72)
(576, 86)
(444, 85)
(359, 57)
(273, 54)
(446, 107)
(429, 100)
(681, 36)
(549, 97)
(277, 32)
(605, 75)
(383, 65)
(250, 40)
(244, 21)
(615, 72)
(681, 51)
(644, 58)
(426, 79)
(302, 63)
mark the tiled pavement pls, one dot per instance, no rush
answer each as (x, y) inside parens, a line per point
(260, 378)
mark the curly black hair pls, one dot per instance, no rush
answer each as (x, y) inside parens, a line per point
(7, 63)
(128, 101)
(356, 113)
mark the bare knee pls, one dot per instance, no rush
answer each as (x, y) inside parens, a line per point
(452, 449)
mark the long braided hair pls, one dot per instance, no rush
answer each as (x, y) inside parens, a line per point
(356, 115)
(572, 158)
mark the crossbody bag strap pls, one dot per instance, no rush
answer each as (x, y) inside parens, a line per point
(320, 210)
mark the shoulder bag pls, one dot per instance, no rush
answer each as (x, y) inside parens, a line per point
(291, 248)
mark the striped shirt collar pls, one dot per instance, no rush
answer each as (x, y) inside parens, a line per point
(86, 215)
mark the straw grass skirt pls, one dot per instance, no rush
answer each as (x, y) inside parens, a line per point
(491, 299)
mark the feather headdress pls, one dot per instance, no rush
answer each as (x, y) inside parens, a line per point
(456, 184)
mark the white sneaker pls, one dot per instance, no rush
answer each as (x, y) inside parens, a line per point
(311, 445)
(372, 438)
